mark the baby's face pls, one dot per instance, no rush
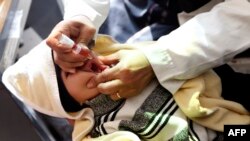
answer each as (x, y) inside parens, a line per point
(76, 83)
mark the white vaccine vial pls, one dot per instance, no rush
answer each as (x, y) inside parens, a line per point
(77, 48)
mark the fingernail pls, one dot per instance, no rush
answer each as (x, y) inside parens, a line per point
(90, 85)
(72, 71)
(80, 64)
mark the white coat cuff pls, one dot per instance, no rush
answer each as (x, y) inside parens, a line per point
(163, 67)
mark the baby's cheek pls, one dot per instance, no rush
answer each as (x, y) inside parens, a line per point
(87, 94)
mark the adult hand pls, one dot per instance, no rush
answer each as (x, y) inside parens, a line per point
(128, 77)
(81, 30)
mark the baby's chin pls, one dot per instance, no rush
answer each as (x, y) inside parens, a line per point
(91, 93)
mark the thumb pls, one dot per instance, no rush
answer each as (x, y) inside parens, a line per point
(107, 75)
(110, 59)
(86, 36)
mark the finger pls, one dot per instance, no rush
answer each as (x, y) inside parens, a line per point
(106, 75)
(68, 57)
(100, 67)
(116, 96)
(53, 42)
(86, 35)
(84, 51)
(66, 65)
(110, 59)
(110, 87)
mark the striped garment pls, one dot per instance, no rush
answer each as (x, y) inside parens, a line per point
(152, 115)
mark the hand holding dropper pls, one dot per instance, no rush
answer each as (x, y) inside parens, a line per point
(80, 49)
(77, 48)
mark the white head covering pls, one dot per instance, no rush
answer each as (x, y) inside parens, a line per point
(32, 79)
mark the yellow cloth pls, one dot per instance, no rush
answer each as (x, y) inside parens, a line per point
(81, 129)
(200, 99)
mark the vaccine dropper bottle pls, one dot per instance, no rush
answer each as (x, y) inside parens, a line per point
(77, 48)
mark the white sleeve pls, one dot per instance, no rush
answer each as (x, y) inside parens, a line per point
(95, 10)
(205, 41)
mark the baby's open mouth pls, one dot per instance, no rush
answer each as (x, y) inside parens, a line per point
(92, 65)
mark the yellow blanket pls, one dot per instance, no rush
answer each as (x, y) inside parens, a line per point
(200, 99)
